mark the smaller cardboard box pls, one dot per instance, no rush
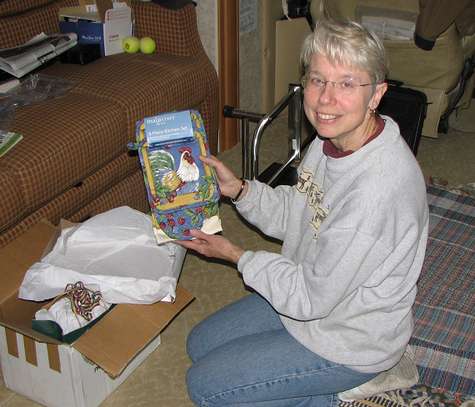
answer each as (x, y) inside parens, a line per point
(84, 373)
(286, 66)
(98, 22)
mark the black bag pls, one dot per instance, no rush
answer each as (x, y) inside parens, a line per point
(408, 108)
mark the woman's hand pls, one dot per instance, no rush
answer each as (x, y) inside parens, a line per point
(229, 184)
(212, 246)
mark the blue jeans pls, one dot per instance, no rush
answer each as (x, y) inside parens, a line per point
(243, 356)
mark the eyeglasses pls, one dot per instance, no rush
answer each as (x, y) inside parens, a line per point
(347, 86)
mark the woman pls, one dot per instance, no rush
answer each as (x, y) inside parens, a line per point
(334, 308)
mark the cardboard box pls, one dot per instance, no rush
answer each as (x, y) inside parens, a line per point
(289, 37)
(86, 372)
(98, 22)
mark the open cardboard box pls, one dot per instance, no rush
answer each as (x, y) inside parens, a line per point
(98, 22)
(84, 373)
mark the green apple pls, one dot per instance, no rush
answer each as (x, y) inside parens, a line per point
(130, 44)
(147, 45)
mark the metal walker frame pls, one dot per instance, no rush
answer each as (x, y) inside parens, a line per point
(250, 147)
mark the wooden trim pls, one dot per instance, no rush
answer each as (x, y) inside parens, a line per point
(30, 350)
(53, 357)
(228, 32)
(12, 345)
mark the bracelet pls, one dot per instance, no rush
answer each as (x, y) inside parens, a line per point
(235, 199)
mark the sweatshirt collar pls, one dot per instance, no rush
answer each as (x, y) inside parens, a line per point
(330, 150)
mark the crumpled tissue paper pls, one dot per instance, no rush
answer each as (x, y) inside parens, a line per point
(117, 251)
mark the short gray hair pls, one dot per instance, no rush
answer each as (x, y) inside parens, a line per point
(347, 43)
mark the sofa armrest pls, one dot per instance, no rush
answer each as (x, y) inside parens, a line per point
(175, 31)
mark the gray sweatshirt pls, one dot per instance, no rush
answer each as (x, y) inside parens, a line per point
(354, 232)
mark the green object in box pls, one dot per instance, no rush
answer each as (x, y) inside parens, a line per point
(53, 330)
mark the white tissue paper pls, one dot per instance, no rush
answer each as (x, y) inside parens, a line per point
(117, 251)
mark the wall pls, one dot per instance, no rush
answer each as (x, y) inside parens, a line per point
(250, 45)
(250, 69)
(256, 48)
(257, 54)
(207, 13)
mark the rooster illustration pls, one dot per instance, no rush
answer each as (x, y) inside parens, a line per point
(169, 179)
(188, 170)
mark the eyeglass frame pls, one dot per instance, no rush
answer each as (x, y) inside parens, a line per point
(304, 79)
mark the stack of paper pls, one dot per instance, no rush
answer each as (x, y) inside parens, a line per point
(8, 140)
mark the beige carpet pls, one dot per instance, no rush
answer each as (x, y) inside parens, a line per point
(160, 380)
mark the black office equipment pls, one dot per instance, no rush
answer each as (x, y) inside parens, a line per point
(408, 108)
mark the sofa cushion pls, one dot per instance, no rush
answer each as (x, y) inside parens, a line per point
(76, 200)
(65, 139)
(143, 85)
(11, 7)
(19, 28)
(130, 191)
(13, 207)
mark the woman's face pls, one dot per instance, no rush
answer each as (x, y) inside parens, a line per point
(340, 109)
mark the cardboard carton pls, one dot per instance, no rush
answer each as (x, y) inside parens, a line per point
(86, 372)
(288, 33)
(98, 22)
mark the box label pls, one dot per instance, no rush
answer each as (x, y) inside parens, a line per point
(175, 126)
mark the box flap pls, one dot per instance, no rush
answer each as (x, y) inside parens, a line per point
(123, 333)
(17, 314)
(84, 11)
(101, 5)
(15, 259)
(18, 256)
(79, 12)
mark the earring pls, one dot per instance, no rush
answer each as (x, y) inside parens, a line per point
(372, 111)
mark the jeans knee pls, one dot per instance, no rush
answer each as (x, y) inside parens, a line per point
(190, 384)
(192, 344)
(195, 386)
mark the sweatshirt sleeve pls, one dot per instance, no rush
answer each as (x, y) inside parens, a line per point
(340, 261)
(266, 208)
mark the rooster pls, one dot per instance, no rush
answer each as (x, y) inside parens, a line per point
(188, 170)
(184, 178)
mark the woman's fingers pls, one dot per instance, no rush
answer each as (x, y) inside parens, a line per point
(198, 243)
(211, 160)
(212, 246)
(228, 182)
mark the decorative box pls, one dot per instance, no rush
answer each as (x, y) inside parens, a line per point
(182, 191)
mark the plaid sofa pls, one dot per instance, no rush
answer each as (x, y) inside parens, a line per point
(73, 162)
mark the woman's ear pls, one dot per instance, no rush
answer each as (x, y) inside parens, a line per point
(379, 92)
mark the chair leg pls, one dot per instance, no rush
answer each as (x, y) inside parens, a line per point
(467, 72)
(443, 124)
